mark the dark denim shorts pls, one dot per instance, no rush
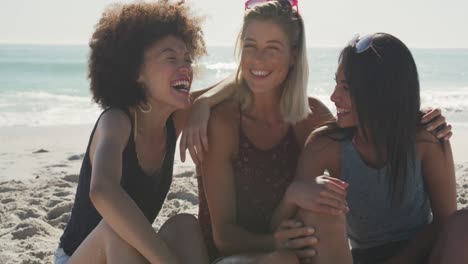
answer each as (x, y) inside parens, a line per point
(377, 254)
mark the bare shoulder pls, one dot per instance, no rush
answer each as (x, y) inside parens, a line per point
(319, 116)
(114, 125)
(424, 136)
(226, 114)
(322, 143)
(317, 106)
(428, 144)
(321, 153)
(425, 139)
(113, 130)
(223, 130)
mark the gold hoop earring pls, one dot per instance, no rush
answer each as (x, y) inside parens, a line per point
(145, 107)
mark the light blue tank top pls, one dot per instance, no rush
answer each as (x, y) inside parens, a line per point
(372, 219)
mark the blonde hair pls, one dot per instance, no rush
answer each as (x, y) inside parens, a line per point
(294, 104)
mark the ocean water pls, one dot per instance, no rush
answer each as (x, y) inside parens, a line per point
(44, 85)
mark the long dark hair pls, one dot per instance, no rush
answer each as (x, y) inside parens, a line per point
(384, 88)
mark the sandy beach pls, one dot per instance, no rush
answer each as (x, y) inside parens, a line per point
(38, 176)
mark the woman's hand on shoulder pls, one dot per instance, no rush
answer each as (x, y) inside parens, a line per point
(436, 123)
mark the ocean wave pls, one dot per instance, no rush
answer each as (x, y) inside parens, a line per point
(48, 109)
(452, 101)
(221, 66)
(45, 109)
(212, 73)
(449, 100)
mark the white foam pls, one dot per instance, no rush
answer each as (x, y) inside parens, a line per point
(45, 109)
(221, 66)
(450, 100)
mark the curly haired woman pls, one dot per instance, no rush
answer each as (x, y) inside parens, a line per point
(140, 69)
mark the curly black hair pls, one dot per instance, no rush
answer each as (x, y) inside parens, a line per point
(122, 35)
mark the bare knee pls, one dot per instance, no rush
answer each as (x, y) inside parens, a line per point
(179, 223)
(459, 217)
(178, 228)
(326, 226)
(181, 220)
(117, 249)
(453, 240)
(333, 244)
(184, 238)
(457, 225)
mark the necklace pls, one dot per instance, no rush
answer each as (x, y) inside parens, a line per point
(135, 141)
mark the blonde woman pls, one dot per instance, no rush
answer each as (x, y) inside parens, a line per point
(255, 140)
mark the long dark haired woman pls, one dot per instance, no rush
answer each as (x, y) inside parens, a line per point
(397, 179)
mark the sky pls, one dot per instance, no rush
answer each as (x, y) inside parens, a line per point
(329, 23)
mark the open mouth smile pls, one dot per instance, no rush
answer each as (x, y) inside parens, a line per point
(260, 73)
(181, 85)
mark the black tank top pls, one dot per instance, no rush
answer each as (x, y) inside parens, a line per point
(148, 192)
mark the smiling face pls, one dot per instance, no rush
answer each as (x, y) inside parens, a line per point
(167, 73)
(346, 112)
(266, 56)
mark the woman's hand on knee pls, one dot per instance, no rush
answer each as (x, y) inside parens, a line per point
(294, 236)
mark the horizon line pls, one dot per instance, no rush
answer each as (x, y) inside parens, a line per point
(217, 45)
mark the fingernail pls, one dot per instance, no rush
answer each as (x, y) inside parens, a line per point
(430, 128)
(310, 230)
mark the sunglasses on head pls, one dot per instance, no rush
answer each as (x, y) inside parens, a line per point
(251, 3)
(362, 44)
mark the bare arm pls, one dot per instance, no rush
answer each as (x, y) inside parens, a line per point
(439, 176)
(110, 200)
(310, 190)
(216, 93)
(194, 121)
